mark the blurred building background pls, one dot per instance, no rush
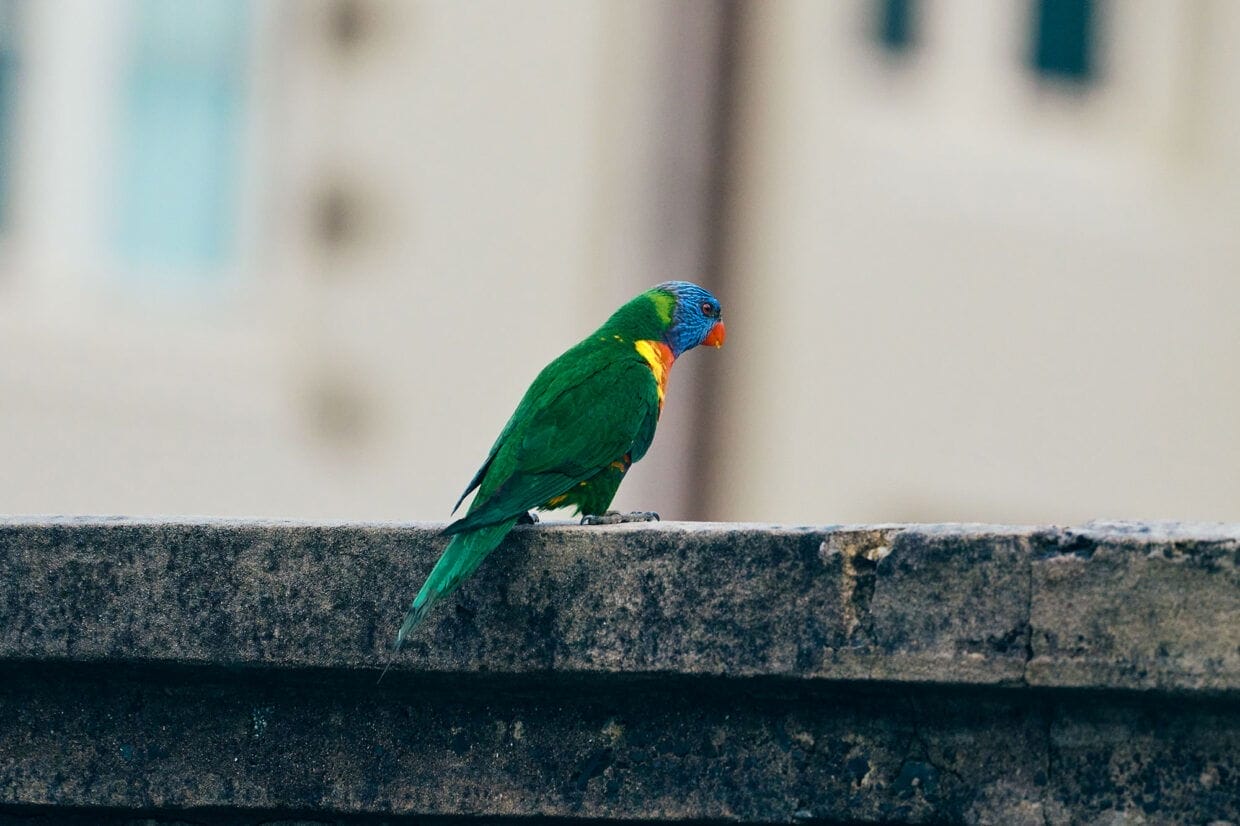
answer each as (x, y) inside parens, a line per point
(301, 257)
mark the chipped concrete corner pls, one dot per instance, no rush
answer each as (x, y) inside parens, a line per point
(748, 673)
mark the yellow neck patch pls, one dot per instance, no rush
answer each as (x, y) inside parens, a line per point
(659, 356)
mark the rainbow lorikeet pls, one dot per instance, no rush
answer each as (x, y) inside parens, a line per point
(588, 416)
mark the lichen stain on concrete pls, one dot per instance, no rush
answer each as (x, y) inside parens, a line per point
(859, 553)
(258, 721)
(613, 731)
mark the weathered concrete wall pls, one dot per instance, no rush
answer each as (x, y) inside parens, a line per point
(225, 671)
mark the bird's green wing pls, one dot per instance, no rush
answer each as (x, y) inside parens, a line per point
(576, 419)
(557, 377)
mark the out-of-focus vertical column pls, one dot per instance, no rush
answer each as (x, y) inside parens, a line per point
(666, 159)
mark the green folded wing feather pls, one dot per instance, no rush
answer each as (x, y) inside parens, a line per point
(587, 409)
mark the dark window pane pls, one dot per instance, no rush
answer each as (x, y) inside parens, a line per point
(896, 23)
(1063, 38)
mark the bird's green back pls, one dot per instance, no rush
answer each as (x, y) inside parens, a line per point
(548, 446)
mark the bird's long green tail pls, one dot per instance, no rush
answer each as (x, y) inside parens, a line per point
(463, 555)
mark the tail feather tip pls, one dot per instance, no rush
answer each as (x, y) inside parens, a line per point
(413, 619)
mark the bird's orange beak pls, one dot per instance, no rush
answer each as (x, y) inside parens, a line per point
(716, 335)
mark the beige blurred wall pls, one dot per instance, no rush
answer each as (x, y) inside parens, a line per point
(960, 294)
(440, 198)
(952, 292)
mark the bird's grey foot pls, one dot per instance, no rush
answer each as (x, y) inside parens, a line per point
(528, 518)
(616, 518)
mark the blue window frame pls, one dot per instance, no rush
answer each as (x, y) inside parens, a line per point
(9, 45)
(182, 130)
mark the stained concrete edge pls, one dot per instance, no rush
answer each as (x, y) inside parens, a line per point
(1106, 605)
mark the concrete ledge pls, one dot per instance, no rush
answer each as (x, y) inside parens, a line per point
(690, 672)
(1104, 606)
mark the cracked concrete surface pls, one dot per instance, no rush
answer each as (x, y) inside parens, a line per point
(890, 673)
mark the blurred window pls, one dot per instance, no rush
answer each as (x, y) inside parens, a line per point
(896, 24)
(1063, 39)
(182, 128)
(8, 87)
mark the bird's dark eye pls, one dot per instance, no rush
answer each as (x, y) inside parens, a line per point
(708, 309)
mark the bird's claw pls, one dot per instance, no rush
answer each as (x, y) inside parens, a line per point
(617, 518)
(528, 518)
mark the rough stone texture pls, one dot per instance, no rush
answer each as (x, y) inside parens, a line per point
(1138, 606)
(701, 599)
(224, 672)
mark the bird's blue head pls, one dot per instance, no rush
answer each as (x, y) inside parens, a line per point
(694, 316)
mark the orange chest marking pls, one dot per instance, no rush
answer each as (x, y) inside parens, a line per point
(659, 356)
